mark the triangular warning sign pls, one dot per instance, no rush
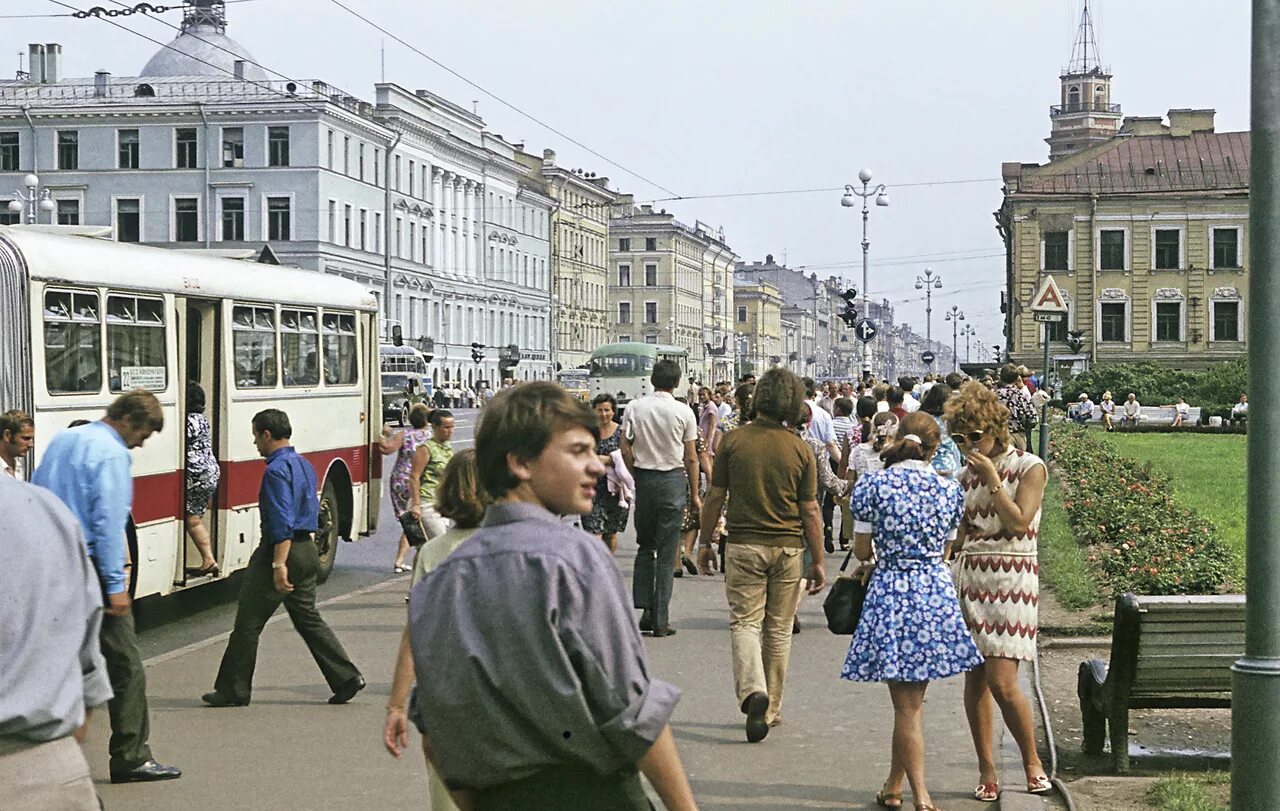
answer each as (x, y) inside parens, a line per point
(1048, 299)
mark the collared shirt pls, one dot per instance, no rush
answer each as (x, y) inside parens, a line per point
(910, 404)
(287, 499)
(89, 469)
(658, 426)
(51, 665)
(840, 427)
(11, 472)
(820, 427)
(527, 655)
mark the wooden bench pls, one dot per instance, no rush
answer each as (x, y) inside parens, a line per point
(1174, 652)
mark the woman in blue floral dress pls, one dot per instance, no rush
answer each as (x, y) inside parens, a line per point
(911, 630)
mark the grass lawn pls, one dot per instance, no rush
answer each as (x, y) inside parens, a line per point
(1207, 470)
(1203, 792)
(1062, 564)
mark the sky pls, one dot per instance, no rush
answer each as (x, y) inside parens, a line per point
(697, 98)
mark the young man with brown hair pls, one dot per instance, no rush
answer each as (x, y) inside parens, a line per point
(17, 438)
(533, 685)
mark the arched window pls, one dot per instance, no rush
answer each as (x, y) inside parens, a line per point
(1073, 99)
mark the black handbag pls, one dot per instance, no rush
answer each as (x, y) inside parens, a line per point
(843, 605)
(413, 529)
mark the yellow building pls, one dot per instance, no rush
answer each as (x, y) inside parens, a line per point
(757, 323)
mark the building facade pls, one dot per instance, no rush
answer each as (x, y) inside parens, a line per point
(758, 329)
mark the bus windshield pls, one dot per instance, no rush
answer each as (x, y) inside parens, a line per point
(621, 366)
(397, 382)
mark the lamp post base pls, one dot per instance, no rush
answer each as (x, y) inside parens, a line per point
(1255, 700)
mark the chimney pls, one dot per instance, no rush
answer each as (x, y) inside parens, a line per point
(100, 82)
(548, 157)
(646, 208)
(239, 69)
(35, 62)
(52, 63)
(1140, 125)
(1183, 122)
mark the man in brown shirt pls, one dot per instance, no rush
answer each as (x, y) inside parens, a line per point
(773, 514)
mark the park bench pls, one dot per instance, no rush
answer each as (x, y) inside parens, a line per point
(1166, 652)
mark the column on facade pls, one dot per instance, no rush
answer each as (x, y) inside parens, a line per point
(437, 203)
(465, 220)
(478, 236)
(456, 220)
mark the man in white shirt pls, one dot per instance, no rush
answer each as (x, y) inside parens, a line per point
(909, 402)
(658, 447)
(1240, 411)
(17, 438)
(822, 428)
(1131, 411)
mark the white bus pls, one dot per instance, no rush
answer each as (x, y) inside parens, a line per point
(405, 381)
(623, 369)
(85, 319)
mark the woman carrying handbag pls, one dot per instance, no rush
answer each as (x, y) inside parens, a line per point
(911, 630)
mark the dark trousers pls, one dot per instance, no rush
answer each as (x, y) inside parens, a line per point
(258, 601)
(660, 501)
(130, 719)
(567, 788)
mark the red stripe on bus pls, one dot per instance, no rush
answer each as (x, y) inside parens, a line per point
(157, 497)
(240, 481)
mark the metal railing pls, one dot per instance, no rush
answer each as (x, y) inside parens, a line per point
(1082, 107)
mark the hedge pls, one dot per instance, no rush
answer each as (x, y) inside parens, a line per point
(1136, 536)
(1216, 388)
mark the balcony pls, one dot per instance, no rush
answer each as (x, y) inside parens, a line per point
(1082, 107)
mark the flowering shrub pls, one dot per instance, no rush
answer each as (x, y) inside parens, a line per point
(1136, 535)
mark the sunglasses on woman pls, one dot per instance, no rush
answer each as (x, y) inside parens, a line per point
(973, 438)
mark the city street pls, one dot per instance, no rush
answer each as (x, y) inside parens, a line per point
(289, 749)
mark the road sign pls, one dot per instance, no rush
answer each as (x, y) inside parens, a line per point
(1049, 318)
(865, 329)
(927, 357)
(1048, 299)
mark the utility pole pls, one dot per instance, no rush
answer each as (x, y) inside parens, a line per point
(1255, 683)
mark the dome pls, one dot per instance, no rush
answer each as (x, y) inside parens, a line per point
(197, 51)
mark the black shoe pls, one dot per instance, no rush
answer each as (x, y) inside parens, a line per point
(678, 573)
(668, 631)
(216, 699)
(828, 545)
(795, 625)
(148, 772)
(646, 622)
(689, 565)
(347, 691)
(755, 706)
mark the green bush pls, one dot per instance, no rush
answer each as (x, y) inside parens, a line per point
(1156, 385)
(1138, 537)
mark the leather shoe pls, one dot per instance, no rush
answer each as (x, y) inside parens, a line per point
(347, 691)
(646, 621)
(148, 772)
(755, 706)
(216, 699)
(664, 632)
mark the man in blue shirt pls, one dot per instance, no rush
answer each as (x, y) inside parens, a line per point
(282, 569)
(88, 468)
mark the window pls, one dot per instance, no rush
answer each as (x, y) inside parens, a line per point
(1113, 321)
(377, 234)
(413, 170)
(72, 342)
(300, 347)
(1056, 246)
(8, 217)
(68, 149)
(233, 147)
(1057, 330)
(333, 221)
(136, 344)
(360, 159)
(186, 219)
(650, 275)
(624, 275)
(346, 155)
(346, 226)
(340, 367)
(651, 339)
(651, 312)
(68, 212)
(1226, 248)
(185, 148)
(1168, 253)
(1226, 320)
(1168, 321)
(129, 220)
(624, 312)
(329, 150)
(1111, 250)
(397, 178)
(279, 219)
(277, 146)
(377, 168)
(127, 146)
(624, 244)
(253, 331)
(650, 244)
(742, 314)
(9, 153)
(622, 339)
(232, 219)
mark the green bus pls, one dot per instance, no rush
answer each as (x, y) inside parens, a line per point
(623, 369)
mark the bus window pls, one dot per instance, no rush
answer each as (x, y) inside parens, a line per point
(620, 365)
(254, 336)
(136, 344)
(340, 367)
(72, 342)
(300, 347)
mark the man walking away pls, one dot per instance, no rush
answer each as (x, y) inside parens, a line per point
(822, 428)
(17, 438)
(659, 448)
(52, 671)
(772, 478)
(533, 685)
(89, 469)
(282, 569)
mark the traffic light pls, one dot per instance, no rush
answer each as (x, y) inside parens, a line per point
(1075, 341)
(477, 352)
(849, 315)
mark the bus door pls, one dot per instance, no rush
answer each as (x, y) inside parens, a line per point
(373, 421)
(201, 326)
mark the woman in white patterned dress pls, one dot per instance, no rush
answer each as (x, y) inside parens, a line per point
(997, 576)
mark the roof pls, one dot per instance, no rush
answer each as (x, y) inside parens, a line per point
(202, 50)
(81, 260)
(1201, 161)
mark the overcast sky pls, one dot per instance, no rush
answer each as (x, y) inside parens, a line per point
(735, 96)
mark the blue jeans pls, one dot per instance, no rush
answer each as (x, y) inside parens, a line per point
(660, 499)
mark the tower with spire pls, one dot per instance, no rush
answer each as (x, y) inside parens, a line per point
(1084, 115)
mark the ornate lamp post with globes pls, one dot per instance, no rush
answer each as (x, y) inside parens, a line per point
(31, 202)
(881, 195)
(968, 332)
(955, 316)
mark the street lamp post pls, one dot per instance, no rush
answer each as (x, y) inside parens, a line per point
(928, 283)
(968, 332)
(955, 316)
(881, 196)
(31, 202)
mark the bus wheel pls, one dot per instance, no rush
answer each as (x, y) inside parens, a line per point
(327, 531)
(404, 415)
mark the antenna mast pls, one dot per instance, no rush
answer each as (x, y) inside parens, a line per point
(1085, 54)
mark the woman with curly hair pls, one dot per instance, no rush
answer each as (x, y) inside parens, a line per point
(997, 575)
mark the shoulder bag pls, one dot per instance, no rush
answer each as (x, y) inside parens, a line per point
(843, 605)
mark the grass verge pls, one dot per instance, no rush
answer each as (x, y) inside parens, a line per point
(1207, 792)
(1062, 562)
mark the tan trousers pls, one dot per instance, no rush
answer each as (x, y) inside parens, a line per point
(50, 776)
(438, 792)
(762, 584)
